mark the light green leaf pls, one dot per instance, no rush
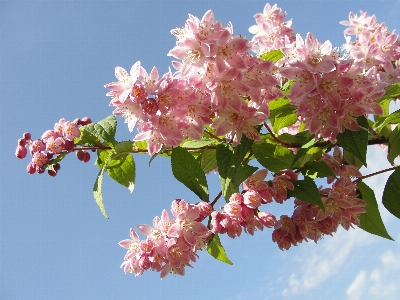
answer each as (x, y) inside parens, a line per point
(274, 55)
(371, 221)
(356, 142)
(392, 92)
(216, 250)
(303, 150)
(197, 144)
(187, 170)
(391, 193)
(208, 160)
(97, 188)
(273, 157)
(122, 169)
(393, 118)
(104, 130)
(307, 191)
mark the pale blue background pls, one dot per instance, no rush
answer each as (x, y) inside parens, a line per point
(55, 57)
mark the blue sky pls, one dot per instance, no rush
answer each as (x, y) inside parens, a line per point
(55, 57)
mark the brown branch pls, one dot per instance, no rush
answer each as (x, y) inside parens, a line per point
(216, 199)
(373, 174)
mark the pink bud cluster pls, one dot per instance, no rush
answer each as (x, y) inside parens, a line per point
(218, 82)
(53, 142)
(341, 203)
(170, 244)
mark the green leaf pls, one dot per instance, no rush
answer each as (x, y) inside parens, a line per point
(104, 130)
(216, 250)
(97, 188)
(391, 193)
(317, 169)
(312, 154)
(228, 161)
(273, 157)
(122, 169)
(393, 118)
(187, 170)
(303, 150)
(208, 160)
(273, 55)
(392, 92)
(371, 221)
(197, 144)
(394, 144)
(284, 119)
(242, 173)
(356, 142)
(307, 191)
(86, 138)
(351, 159)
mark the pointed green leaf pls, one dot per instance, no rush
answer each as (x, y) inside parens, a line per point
(273, 55)
(284, 119)
(216, 250)
(391, 193)
(86, 138)
(187, 170)
(98, 193)
(394, 144)
(356, 142)
(273, 157)
(228, 161)
(371, 221)
(208, 160)
(312, 154)
(104, 130)
(307, 191)
(317, 169)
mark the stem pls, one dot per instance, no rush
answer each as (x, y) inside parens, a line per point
(275, 137)
(216, 199)
(212, 135)
(373, 174)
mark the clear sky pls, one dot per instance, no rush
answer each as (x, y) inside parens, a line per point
(55, 57)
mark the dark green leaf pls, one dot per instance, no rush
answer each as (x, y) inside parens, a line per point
(303, 150)
(228, 160)
(317, 169)
(371, 221)
(356, 142)
(351, 159)
(307, 191)
(394, 144)
(312, 154)
(242, 173)
(391, 193)
(104, 130)
(187, 170)
(273, 157)
(273, 55)
(216, 250)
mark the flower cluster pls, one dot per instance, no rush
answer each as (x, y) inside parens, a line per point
(171, 244)
(219, 83)
(341, 207)
(53, 142)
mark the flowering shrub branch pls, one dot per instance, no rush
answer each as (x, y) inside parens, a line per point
(298, 108)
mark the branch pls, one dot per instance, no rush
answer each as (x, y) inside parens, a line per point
(373, 174)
